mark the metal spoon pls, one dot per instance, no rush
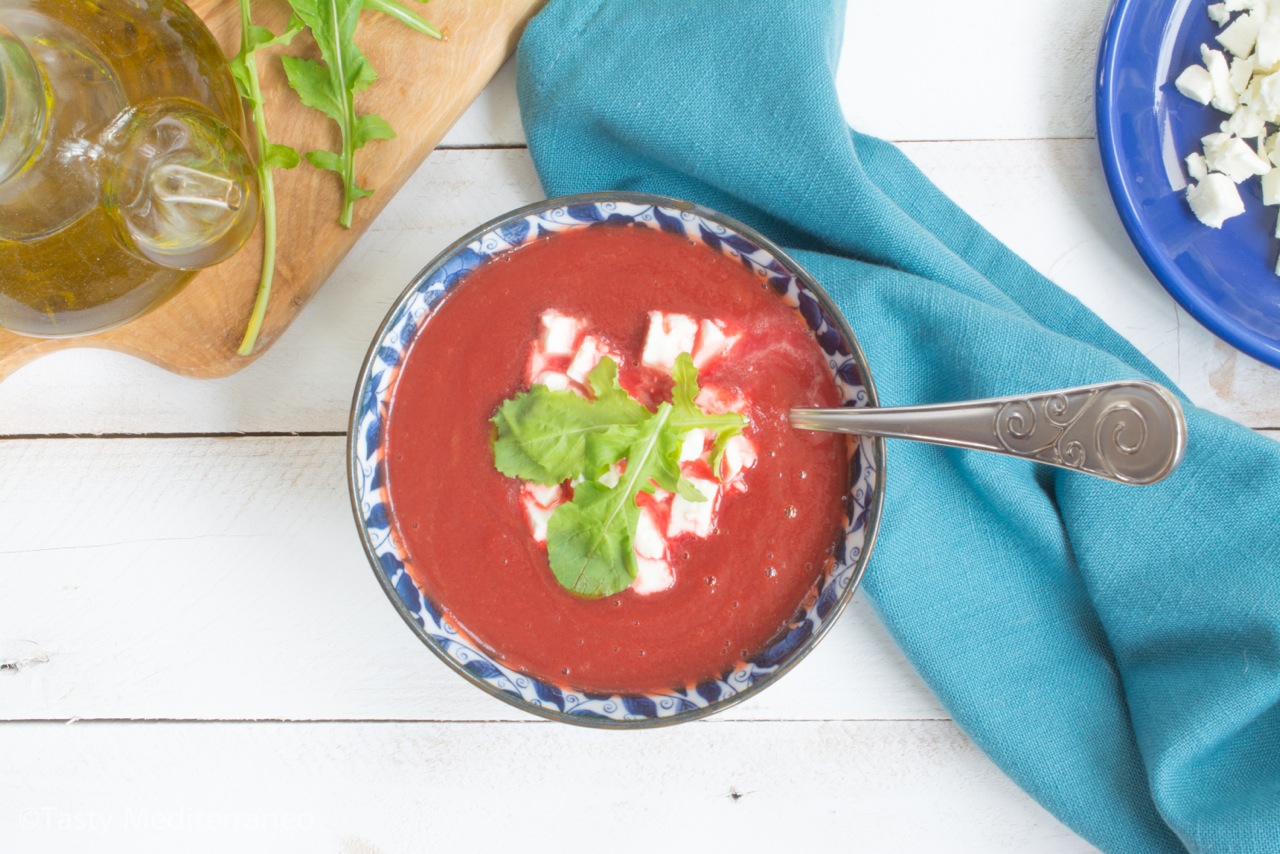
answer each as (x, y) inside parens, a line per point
(1131, 432)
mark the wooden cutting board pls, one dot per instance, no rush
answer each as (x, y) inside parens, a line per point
(423, 87)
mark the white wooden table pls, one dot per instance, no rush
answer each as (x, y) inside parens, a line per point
(194, 654)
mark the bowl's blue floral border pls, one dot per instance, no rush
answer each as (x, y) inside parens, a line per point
(369, 476)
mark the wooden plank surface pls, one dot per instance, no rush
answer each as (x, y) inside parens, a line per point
(396, 788)
(202, 583)
(1045, 198)
(204, 578)
(424, 86)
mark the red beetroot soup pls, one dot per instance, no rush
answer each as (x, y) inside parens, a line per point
(462, 523)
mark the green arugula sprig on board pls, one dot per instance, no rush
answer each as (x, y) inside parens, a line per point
(329, 87)
(548, 437)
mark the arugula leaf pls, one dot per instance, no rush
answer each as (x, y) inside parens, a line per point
(689, 417)
(590, 539)
(551, 436)
(405, 16)
(331, 87)
(271, 155)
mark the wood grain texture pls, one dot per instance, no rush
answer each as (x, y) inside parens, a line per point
(1045, 198)
(397, 788)
(424, 86)
(224, 579)
(982, 69)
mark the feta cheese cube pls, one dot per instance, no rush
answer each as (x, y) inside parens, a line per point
(1224, 97)
(648, 541)
(1268, 46)
(1242, 68)
(1271, 188)
(1196, 166)
(694, 445)
(1269, 94)
(717, 401)
(739, 455)
(669, 335)
(694, 517)
(1241, 35)
(1234, 158)
(1215, 200)
(537, 516)
(553, 380)
(1218, 14)
(559, 332)
(1237, 5)
(652, 576)
(589, 354)
(1196, 84)
(545, 496)
(1246, 122)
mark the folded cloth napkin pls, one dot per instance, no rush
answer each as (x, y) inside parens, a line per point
(1115, 649)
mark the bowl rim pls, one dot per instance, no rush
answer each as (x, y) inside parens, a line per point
(833, 313)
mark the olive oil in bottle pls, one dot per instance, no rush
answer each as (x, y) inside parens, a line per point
(121, 171)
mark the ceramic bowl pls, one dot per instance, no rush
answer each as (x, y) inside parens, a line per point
(375, 518)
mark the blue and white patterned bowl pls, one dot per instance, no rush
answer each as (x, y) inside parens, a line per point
(375, 519)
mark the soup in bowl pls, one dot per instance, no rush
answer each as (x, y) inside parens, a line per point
(572, 469)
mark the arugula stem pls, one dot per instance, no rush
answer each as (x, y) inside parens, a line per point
(404, 16)
(348, 163)
(266, 189)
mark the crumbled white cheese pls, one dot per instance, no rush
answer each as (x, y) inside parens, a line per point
(648, 541)
(1224, 97)
(713, 341)
(538, 517)
(612, 476)
(589, 354)
(717, 401)
(653, 572)
(693, 446)
(1215, 200)
(553, 380)
(1246, 122)
(1242, 68)
(652, 576)
(1267, 55)
(1233, 157)
(1196, 84)
(1218, 14)
(739, 455)
(694, 517)
(559, 333)
(1240, 36)
(669, 335)
(1271, 188)
(1269, 94)
(547, 496)
(1196, 166)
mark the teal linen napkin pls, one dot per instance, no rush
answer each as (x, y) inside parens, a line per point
(1115, 650)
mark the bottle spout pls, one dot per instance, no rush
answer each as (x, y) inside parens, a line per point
(184, 193)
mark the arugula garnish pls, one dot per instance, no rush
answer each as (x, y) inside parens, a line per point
(551, 436)
(271, 156)
(331, 88)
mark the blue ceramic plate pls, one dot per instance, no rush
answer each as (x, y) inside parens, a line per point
(1225, 278)
(375, 517)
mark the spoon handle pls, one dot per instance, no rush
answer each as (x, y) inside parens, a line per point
(1131, 432)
